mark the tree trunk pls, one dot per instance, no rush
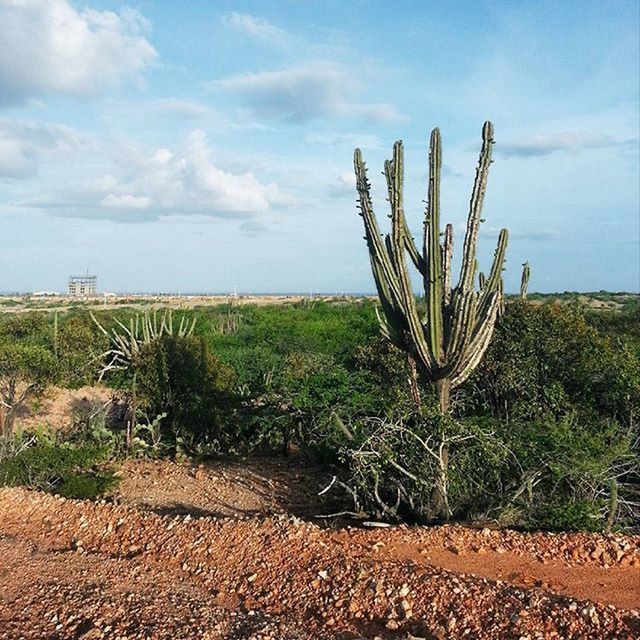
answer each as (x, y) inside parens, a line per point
(441, 489)
(8, 421)
(443, 388)
(413, 383)
(441, 493)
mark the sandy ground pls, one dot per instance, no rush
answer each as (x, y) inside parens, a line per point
(64, 303)
(255, 487)
(214, 551)
(55, 409)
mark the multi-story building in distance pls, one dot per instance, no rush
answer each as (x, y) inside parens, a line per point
(83, 286)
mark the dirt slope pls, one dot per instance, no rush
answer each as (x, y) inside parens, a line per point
(77, 569)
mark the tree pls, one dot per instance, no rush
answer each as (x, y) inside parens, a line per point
(25, 370)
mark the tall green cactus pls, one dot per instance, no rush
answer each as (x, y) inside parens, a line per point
(450, 340)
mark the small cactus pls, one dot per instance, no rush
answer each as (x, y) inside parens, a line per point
(524, 281)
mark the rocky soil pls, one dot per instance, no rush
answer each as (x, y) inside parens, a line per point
(72, 569)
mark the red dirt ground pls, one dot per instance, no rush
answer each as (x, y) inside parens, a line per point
(84, 570)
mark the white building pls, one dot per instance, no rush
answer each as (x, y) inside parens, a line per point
(83, 286)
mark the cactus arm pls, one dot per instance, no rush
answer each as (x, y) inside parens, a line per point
(380, 252)
(392, 312)
(409, 242)
(389, 332)
(498, 260)
(447, 256)
(394, 170)
(377, 249)
(492, 283)
(501, 305)
(478, 344)
(462, 320)
(433, 254)
(410, 246)
(467, 271)
(97, 323)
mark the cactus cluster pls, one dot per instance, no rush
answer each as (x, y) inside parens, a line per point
(448, 341)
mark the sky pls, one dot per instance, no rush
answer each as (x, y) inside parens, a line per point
(207, 146)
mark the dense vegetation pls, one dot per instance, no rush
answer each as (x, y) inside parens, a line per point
(543, 434)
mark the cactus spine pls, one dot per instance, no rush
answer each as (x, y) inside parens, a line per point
(450, 340)
(524, 281)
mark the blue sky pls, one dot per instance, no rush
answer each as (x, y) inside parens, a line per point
(205, 145)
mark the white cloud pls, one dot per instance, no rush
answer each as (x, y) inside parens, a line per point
(343, 186)
(162, 183)
(50, 47)
(569, 141)
(23, 144)
(256, 28)
(305, 93)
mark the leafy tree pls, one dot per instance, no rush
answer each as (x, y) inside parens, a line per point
(27, 365)
(79, 345)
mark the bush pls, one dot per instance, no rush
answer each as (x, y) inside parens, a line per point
(73, 471)
(557, 474)
(79, 345)
(547, 361)
(419, 467)
(181, 378)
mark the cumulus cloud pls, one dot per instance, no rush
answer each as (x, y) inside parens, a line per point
(568, 141)
(50, 47)
(256, 28)
(343, 186)
(23, 144)
(164, 183)
(305, 93)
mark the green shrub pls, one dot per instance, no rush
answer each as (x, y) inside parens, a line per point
(548, 474)
(74, 471)
(79, 344)
(570, 515)
(548, 361)
(181, 378)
